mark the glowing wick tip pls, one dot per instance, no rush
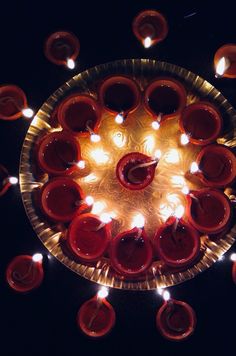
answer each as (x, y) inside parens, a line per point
(89, 200)
(194, 167)
(233, 257)
(105, 218)
(119, 119)
(70, 63)
(37, 257)
(27, 113)
(184, 140)
(138, 221)
(155, 125)
(147, 42)
(222, 66)
(95, 138)
(102, 293)
(81, 164)
(13, 180)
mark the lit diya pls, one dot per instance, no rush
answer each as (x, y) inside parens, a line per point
(62, 48)
(61, 199)
(201, 122)
(208, 210)
(119, 95)
(177, 243)
(225, 61)
(176, 320)
(13, 103)
(80, 115)
(58, 153)
(5, 180)
(217, 166)
(135, 170)
(88, 237)
(25, 273)
(96, 317)
(164, 98)
(131, 252)
(150, 27)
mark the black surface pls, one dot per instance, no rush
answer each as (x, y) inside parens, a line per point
(43, 322)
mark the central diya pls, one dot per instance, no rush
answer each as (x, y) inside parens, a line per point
(130, 235)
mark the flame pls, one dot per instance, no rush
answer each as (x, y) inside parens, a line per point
(222, 66)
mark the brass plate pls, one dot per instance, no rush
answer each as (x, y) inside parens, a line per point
(143, 70)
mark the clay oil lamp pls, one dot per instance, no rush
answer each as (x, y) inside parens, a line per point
(58, 153)
(61, 199)
(13, 103)
(216, 166)
(176, 320)
(208, 210)
(225, 61)
(177, 243)
(6, 181)
(135, 171)
(131, 251)
(25, 273)
(80, 115)
(62, 48)
(120, 96)
(201, 123)
(96, 317)
(150, 27)
(88, 237)
(164, 98)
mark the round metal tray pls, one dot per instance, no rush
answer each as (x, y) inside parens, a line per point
(143, 70)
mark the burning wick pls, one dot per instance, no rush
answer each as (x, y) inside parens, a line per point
(119, 119)
(81, 164)
(222, 66)
(88, 201)
(37, 257)
(147, 42)
(70, 63)
(105, 219)
(102, 294)
(184, 139)
(233, 257)
(10, 180)
(194, 168)
(164, 293)
(156, 123)
(26, 112)
(93, 137)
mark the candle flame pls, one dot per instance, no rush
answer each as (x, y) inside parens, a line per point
(27, 113)
(233, 257)
(166, 295)
(147, 42)
(105, 218)
(155, 125)
(185, 190)
(184, 140)
(119, 119)
(103, 292)
(95, 138)
(138, 221)
(194, 167)
(37, 257)
(119, 139)
(222, 66)
(13, 180)
(157, 154)
(70, 63)
(179, 211)
(97, 207)
(89, 200)
(81, 164)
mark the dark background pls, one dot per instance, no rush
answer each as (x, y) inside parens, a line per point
(43, 322)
